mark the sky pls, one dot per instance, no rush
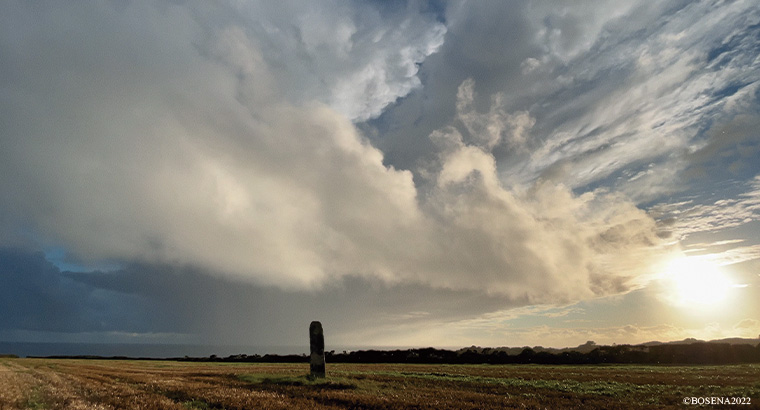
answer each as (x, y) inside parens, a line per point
(410, 173)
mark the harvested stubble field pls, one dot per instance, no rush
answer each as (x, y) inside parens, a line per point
(112, 384)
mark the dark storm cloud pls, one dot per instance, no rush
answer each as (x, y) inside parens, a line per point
(140, 299)
(36, 296)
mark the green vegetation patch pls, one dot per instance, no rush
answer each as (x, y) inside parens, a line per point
(199, 404)
(188, 402)
(35, 400)
(602, 388)
(331, 383)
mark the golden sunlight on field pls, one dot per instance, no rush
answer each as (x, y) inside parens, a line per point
(111, 384)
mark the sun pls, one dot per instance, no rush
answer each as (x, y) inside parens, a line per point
(696, 283)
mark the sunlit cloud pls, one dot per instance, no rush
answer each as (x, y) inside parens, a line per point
(735, 255)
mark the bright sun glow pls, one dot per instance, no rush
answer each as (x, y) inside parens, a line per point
(696, 282)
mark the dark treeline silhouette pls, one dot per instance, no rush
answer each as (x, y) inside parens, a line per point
(693, 353)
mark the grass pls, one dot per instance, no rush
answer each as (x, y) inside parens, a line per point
(604, 388)
(304, 380)
(62, 384)
(595, 387)
(35, 400)
(197, 404)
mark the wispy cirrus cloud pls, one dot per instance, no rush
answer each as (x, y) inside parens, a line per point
(687, 218)
(654, 93)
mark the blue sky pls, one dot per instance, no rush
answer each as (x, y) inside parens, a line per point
(409, 173)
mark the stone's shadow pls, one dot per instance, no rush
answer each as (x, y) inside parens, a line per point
(306, 381)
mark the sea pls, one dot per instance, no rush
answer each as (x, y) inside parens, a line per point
(24, 349)
(159, 351)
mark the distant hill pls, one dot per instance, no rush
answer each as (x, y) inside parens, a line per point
(730, 340)
(584, 348)
(590, 346)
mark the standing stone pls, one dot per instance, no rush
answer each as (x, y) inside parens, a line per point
(317, 343)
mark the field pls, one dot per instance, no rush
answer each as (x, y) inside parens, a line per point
(111, 384)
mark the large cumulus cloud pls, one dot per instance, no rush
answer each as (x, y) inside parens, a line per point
(538, 241)
(175, 144)
(142, 133)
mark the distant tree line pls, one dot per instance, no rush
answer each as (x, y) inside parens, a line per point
(694, 353)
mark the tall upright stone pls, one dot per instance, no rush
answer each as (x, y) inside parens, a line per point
(317, 344)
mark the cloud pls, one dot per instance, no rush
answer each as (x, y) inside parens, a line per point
(492, 128)
(181, 145)
(204, 165)
(164, 303)
(748, 327)
(728, 150)
(617, 97)
(662, 80)
(355, 57)
(490, 154)
(36, 297)
(502, 231)
(735, 255)
(688, 218)
(458, 334)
